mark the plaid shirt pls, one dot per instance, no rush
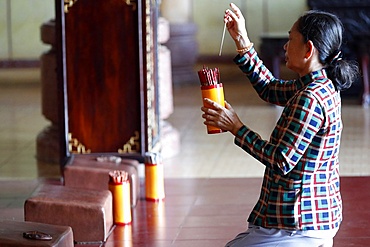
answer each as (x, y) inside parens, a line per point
(300, 189)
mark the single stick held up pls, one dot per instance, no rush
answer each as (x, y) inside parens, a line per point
(222, 40)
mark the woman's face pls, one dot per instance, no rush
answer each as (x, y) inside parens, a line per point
(295, 50)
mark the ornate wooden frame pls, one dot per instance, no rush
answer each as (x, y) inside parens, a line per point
(132, 136)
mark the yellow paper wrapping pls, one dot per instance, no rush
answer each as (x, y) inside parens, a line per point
(121, 202)
(214, 93)
(154, 182)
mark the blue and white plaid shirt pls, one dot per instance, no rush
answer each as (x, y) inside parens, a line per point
(300, 189)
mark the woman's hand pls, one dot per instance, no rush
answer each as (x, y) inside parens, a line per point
(235, 24)
(224, 118)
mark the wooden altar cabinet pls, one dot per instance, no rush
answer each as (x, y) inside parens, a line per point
(107, 77)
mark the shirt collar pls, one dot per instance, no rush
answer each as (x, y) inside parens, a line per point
(314, 76)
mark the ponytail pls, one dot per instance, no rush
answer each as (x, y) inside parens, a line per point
(343, 73)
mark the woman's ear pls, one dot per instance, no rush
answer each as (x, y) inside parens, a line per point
(310, 49)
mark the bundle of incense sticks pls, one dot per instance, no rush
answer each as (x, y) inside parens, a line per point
(118, 177)
(209, 77)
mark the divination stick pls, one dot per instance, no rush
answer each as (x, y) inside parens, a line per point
(222, 40)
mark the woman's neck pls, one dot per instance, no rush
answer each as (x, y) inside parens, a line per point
(311, 66)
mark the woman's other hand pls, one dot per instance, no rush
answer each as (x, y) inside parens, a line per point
(224, 118)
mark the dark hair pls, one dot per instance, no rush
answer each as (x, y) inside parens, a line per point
(325, 30)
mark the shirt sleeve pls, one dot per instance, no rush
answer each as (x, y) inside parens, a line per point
(269, 88)
(294, 132)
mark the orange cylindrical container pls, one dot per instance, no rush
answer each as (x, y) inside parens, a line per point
(121, 202)
(214, 93)
(154, 182)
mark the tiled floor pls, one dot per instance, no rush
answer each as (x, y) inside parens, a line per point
(201, 212)
(211, 185)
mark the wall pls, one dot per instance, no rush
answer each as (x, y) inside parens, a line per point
(261, 16)
(20, 26)
(20, 22)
